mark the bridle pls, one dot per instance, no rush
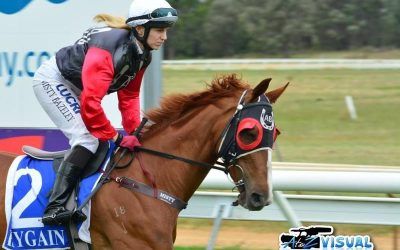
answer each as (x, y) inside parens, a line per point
(227, 156)
(228, 151)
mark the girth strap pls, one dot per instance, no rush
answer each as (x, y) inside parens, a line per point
(149, 191)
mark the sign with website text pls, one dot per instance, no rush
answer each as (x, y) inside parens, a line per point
(35, 30)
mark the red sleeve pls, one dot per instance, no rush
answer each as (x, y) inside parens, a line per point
(129, 103)
(97, 75)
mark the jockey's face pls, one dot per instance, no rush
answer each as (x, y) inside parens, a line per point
(157, 37)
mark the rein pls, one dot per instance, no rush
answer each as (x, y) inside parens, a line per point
(186, 160)
(227, 154)
(134, 185)
(227, 158)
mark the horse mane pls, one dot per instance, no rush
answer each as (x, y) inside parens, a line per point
(175, 106)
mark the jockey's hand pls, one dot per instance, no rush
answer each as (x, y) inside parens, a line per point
(127, 141)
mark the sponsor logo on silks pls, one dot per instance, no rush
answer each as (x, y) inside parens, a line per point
(320, 237)
(14, 6)
(69, 99)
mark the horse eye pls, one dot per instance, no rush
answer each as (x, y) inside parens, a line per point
(248, 135)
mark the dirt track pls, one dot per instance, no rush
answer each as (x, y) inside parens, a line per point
(228, 237)
(249, 240)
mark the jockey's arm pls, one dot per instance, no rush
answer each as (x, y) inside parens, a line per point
(97, 74)
(129, 103)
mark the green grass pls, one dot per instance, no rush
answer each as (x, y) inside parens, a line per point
(312, 114)
(361, 53)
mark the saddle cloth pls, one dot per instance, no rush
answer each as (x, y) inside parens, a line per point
(29, 183)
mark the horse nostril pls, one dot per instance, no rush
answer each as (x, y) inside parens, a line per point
(257, 199)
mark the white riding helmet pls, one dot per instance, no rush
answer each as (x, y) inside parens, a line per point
(151, 13)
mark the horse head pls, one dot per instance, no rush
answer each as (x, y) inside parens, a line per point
(246, 145)
(230, 126)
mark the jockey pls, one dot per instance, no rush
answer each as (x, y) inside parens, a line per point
(71, 85)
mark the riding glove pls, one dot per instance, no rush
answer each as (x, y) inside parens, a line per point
(128, 141)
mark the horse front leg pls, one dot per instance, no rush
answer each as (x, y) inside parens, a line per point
(99, 241)
(146, 239)
(122, 219)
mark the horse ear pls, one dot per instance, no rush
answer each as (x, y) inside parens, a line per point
(260, 89)
(276, 93)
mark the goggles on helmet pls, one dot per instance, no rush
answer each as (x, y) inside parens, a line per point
(169, 15)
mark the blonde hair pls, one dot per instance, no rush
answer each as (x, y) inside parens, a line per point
(112, 21)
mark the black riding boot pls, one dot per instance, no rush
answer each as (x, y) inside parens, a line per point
(67, 177)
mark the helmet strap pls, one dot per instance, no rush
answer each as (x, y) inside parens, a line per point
(143, 39)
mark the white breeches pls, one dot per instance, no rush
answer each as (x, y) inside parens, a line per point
(62, 104)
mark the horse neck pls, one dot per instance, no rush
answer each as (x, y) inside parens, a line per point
(194, 138)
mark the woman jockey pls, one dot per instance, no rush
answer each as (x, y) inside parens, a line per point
(71, 85)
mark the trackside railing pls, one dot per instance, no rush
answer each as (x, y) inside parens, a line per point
(360, 208)
(288, 176)
(281, 63)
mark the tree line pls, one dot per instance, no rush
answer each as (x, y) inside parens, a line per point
(261, 28)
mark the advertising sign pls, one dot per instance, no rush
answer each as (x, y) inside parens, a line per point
(32, 32)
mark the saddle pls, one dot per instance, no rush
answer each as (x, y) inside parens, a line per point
(93, 166)
(58, 156)
(100, 159)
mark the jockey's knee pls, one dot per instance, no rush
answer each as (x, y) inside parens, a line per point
(79, 156)
(88, 141)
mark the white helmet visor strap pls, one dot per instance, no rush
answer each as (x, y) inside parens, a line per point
(160, 14)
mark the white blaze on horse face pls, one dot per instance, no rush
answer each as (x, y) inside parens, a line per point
(269, 177)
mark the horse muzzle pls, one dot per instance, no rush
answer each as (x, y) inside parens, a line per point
(254, 201)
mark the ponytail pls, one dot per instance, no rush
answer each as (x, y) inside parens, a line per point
(112, 21)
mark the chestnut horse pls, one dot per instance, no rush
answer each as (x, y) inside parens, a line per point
(189, 126)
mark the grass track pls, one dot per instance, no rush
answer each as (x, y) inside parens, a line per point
(312, 115)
